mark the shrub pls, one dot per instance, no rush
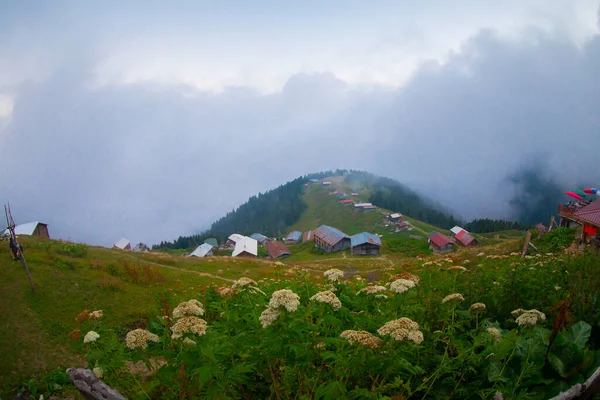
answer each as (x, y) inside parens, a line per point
(72, 249)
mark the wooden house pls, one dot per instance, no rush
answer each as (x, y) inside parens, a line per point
(140, 247)
(588, 217)
(365, 244)
(331, 239)
(440, 244)
(245, 247)
(395, 218)
(293, 237)
(35, 228)
(463, 238)
(277, 250)
(307, 237)
(204, 250)
(122, 244)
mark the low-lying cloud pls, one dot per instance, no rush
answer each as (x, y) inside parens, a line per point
(150, 162)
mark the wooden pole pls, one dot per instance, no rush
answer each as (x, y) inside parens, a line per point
(526, 245)
(11, 228)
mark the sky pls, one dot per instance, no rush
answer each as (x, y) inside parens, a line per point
(149, 120)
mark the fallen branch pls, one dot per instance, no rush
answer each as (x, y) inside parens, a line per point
(582, 391)
(90, 387)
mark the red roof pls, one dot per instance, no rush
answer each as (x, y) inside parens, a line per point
(465, 238)
(277, 249)
(439, 240)
(590, 213)
(346, 201)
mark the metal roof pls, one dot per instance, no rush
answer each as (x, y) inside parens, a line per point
(365, 237)
(456, 230)
(121, 244)
(439, 240)
(329, 235)
(277, 249)
(362, 204)
(306, 236)
(202, 250)
(259, 236)
(245, 244)
(590, 213)
(235, 237)
(396, 215)
(465, 237)
(295, 235)
(25, 229)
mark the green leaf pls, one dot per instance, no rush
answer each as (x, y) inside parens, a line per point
(579, 334)
(494, 373)
(557, 364)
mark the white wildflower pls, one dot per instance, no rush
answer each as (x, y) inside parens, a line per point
(557, 287)
(530, 317)
(91, 336)
(381, 296)
(194, 325)
(333, 274)
(371, 290)
(402, 329)
(243, 282)
(255, 290)
(453, 297)
(477, 308)
(192, 307)
(189, 342)
(495, 332)
(401, 285)
(481, 254)
(269, 316)
(496, 283)
(96, 314)
(225, 291)
(363, 338)
(329, 298)
(285, 298)
(139, 338)
(457, 268)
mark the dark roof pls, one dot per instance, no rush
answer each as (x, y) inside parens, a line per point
(590, 213)
(365, 237)
(465, 238)
(439, 240)
(259, 237)
(294, 236)
(212, 241)
(277, 249)
(329, 235)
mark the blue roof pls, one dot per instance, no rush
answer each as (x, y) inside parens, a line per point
(330, 235)
(294, 236)
(365, 237)
(258, 236)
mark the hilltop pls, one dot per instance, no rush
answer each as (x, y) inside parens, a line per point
(296, 205)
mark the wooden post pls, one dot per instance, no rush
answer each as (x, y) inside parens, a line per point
(526, 245)
(11, 229)
(551, 223)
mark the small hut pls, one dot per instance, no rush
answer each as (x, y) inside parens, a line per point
(365, 244)
(440, 244)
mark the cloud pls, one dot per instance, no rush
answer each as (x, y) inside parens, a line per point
(152, 161)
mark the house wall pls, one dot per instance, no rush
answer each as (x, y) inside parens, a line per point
(441, 250)
(245, 254)
(42, 231)
(365, 249)
(341, 245)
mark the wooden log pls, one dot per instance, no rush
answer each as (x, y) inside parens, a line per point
(90, 387)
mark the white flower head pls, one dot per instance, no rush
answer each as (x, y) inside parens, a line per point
(243, 282)
(98, 372)
(477, 308)
(453, 297)
(495, 332)
(139, 338)
(192, 307)
(193, 325)
(333, 274)
(91, 336)
(371, 289)
(530, 317)
(285, 298)
(362, 338)
(329, 298)
(269, 316)
(401, 285)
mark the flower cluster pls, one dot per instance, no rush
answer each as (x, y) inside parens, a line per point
(401, 285)
(91, 336)
(225, 291)
(453, 297)
(477, 308)
(402, 329)
(193, 325)
(243, 282)
(333, 274)
(371, 290)
(457, 268)
(139, 338)
(530, 317)
(94, 315)
(285, 298)
(269, 316)
(495, 332)
(192, 307)
(329, 298)
(406, 275)
(363, 338)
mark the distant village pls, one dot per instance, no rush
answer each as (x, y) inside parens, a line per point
(583, 213)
